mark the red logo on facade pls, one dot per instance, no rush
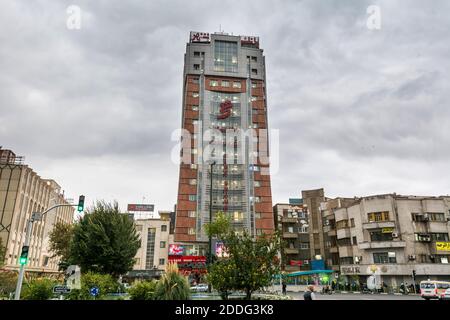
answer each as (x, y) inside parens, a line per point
(225, 109)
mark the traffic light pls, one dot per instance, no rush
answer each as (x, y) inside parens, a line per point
(81, 204)
(24, 255)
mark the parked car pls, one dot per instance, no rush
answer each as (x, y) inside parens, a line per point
(202, 287)
(446, 295)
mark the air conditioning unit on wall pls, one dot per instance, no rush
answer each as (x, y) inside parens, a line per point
(394, 235)
(412, 257)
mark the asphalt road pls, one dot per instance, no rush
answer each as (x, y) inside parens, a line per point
(356, 296)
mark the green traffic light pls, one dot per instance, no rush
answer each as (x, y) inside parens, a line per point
(81, 204)
(23, 261)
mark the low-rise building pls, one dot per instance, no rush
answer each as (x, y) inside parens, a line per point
(391, 237)
(23, 192)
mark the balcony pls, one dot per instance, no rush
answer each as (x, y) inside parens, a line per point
(343, 233)
(290, 251)
(381, 244)
(378, 225)
(345, 251)
(290, 235)
(289, 220)
(334, 249)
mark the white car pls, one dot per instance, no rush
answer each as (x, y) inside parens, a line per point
(446, 295)
(200, 288)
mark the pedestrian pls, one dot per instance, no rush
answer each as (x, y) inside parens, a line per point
(333, 286)
(309, 294)
(283, 286)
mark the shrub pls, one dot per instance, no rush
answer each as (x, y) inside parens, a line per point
(38, 289)
(143, 290)
(172, 285)
(8, 282)
(105, 282)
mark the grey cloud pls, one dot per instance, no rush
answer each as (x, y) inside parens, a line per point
(350, 103)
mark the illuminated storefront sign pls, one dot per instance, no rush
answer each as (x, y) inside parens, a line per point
(176, 250)
(387, 230)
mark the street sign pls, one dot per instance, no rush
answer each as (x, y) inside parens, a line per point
(61, 289)
(94, 291)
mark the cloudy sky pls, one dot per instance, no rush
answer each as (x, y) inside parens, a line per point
(359, 111)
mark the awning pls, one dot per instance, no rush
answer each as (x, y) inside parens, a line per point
(304, 273)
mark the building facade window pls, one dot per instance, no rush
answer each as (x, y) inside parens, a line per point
(254, 85)
(346, 260)
(162, 261)
(196, 66)
(256, 184)
(191, 231)
(342, 224)
(378, 235)
(352, 222)
(162, 244)
(193, 182)
(378, 216)
(194, 108)
(237, 84)
(436, 216)
(150, 254)
(192, 214)
(163, 228)
(384, 257)
(195, 94)
(257, 215)
(214, 83)
(225, 83)
(192, 197)
(225, 56)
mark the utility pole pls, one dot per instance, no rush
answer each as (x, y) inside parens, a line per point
(36, 216)
(210, 216)
(210, 210)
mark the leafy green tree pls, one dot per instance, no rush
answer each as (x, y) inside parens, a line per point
(38, 289)
(252, 262)
(172, 285)
(105, 241)
(104, 282)
(143, 290)
(221, 275)
(61, 238)
(256, 260)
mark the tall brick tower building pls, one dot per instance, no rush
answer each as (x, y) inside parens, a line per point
(225, 90)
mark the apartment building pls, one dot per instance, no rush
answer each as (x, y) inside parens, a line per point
(389, 236)
(312, 200)
(22, 192)
(291, 219)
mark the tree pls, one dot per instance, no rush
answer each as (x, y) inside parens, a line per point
(221, 275)
(60, 242)
(38, 289)
(172, 285)
(143, 290)
(251, 263)
(105, 241)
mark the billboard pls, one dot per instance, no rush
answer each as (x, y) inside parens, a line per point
(221, 251)
(175, 250)
(141, 207)
(199, 36)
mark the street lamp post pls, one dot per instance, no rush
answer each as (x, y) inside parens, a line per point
(210, 216)
(36, 216)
